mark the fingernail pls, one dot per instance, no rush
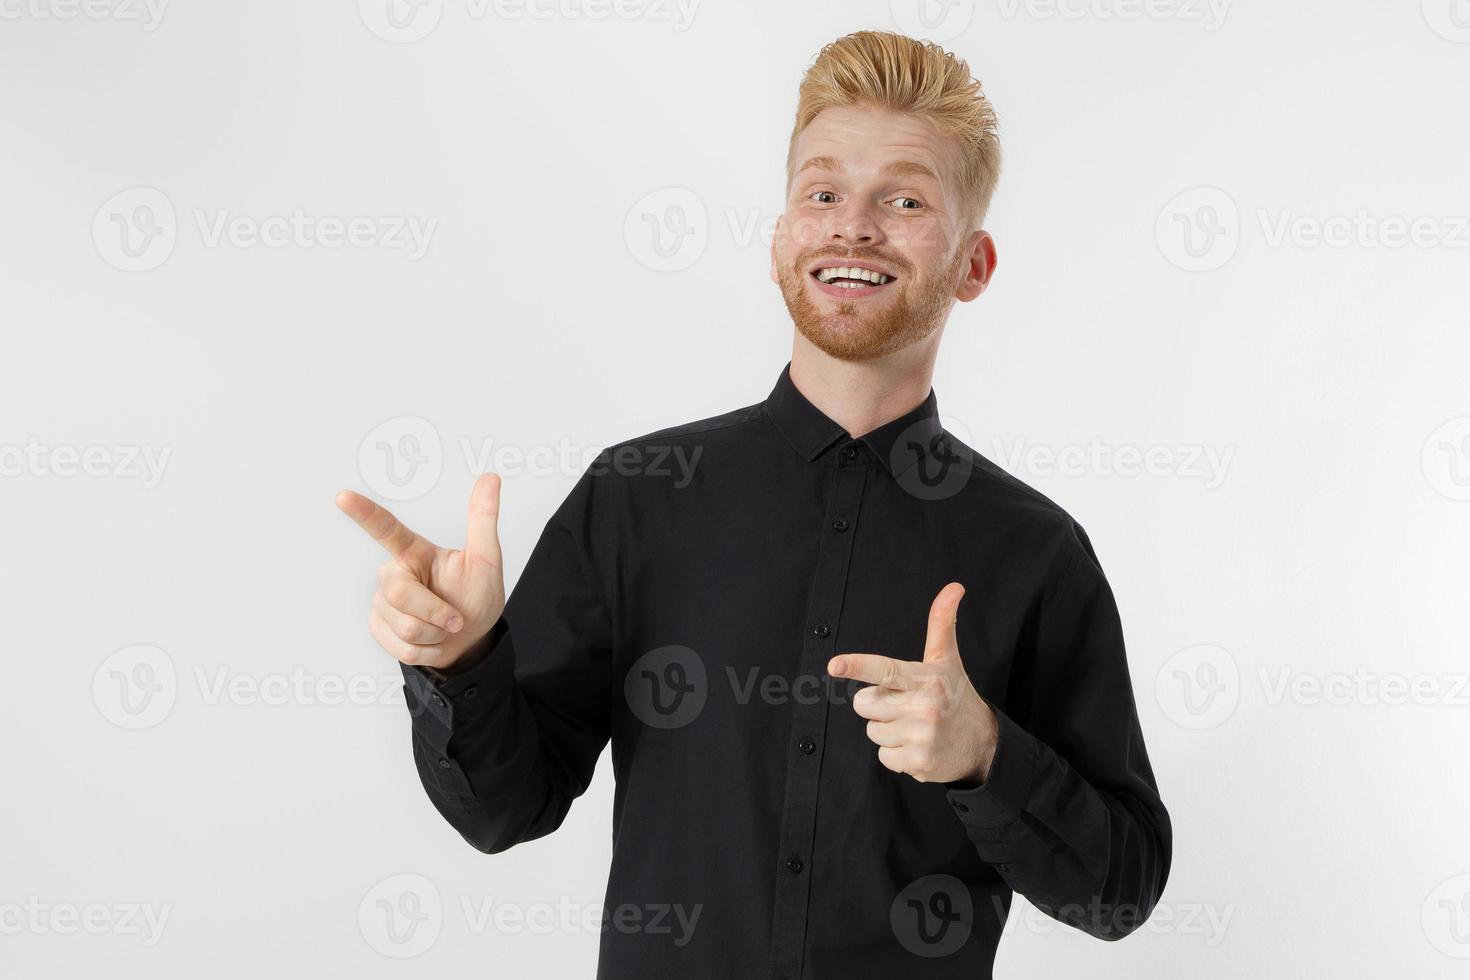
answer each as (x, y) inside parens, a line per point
(454, 624)
(834, 667)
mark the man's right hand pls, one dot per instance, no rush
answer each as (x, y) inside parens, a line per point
(433, 603)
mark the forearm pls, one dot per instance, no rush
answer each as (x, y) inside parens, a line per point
(480, 753)
(1094, 859)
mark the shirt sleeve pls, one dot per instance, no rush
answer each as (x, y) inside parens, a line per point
(1070, 815)
(504, 746)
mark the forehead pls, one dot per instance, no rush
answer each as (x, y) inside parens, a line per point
(867, 139)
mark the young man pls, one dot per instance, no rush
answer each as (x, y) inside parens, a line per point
(861, 685)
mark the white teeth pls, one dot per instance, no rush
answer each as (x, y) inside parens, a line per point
(840, 272)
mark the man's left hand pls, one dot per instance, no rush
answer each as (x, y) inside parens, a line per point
(925, 716)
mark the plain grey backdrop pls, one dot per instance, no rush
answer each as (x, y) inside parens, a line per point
(253, 253)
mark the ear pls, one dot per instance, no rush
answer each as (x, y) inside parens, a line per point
(775, 236)
(979, 268)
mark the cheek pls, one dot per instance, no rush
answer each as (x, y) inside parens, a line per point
(921, 242)
(801, 231)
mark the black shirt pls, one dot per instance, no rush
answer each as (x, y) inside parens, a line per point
(683, 602)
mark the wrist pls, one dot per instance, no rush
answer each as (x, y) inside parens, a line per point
(470, 657)
(987, 741)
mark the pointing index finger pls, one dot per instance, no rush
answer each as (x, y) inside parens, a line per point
(378, 522)
(871, 668)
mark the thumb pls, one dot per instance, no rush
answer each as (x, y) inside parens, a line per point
(482, 541)
(941, 643)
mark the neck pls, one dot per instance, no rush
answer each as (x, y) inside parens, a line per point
(862, 395)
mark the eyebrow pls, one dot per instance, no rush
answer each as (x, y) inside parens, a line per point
(900, 168)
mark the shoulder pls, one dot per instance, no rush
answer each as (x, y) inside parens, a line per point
(1034, 520)
(731, 424)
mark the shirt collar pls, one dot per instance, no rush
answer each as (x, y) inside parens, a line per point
(898, 443)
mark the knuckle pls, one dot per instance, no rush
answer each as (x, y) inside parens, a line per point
(396, 592)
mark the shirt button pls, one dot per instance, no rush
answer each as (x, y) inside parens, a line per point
(439, 700)
(848, 452)
(821, 629)
(806, 745)
(470, 692)
(793, 864)
(959, 806)
(1002, 867)
(443, 763)
(840, 524)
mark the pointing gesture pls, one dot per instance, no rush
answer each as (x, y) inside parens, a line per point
(434, 603)
(925, 716)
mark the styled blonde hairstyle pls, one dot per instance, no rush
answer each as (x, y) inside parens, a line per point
(891, 71)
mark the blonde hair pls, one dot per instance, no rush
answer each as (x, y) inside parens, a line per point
(891, 71)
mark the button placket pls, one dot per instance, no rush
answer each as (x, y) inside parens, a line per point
(808, 720)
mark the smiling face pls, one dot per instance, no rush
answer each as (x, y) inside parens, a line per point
(875, 244)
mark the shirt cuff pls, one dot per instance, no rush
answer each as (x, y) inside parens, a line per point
(438, 702)
(996, 803)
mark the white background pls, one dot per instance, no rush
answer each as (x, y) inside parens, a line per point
(1316, 834)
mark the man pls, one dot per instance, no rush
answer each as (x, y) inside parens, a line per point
(860, 684)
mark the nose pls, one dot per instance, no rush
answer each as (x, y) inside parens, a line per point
(854, 224)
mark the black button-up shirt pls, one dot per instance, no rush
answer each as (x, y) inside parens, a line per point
(683, 602)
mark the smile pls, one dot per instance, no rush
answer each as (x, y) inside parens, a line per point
(849, 281)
